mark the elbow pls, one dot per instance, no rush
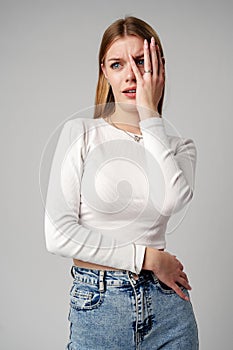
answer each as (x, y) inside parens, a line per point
(175, 202)
(59, 243)
(183, 199)
(54, 242)
(51, 245)
(57, 247)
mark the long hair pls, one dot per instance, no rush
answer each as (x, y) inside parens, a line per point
(104, 98)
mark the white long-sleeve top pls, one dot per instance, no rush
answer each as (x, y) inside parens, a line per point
(110, 197)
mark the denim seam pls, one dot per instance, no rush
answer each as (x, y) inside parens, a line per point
(137, 310)
(167, 291)
(107, 283)
(91, 307)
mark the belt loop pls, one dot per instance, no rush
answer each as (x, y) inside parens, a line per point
(72, 272)
(101, 280)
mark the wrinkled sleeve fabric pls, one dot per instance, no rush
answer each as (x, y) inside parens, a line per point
(64, 235)
(176, 158)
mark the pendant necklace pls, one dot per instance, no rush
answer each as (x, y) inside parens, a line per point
(136, 138)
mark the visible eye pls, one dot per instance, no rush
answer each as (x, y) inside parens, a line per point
(115, 65)
(140, 62)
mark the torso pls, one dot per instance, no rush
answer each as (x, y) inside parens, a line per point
(87, 265)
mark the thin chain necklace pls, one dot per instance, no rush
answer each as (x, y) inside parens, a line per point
(136, 138)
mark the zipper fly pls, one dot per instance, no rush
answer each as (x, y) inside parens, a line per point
(136, 304)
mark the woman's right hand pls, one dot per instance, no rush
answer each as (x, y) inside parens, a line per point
(167, 268)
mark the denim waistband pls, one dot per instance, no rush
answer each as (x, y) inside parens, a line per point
(114, 278)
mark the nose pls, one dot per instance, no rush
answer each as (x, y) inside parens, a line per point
(130, 76)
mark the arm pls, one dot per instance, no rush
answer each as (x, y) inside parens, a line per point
(177, 165)
(64, 235)
(174, 189)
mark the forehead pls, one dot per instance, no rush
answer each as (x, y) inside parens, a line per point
(129, 44)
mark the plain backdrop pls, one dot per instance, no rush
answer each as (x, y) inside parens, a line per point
(48, 72)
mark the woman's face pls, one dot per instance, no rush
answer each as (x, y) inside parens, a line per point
(117, 68)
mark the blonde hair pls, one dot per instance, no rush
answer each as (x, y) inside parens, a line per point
(104, 98)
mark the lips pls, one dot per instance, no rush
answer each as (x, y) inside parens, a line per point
(130, 90)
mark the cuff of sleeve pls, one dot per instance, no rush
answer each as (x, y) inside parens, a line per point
(145, 123)
(139, 257)
(154, 127)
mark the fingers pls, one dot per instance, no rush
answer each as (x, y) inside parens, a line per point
(147, 61)
(153, 62)
(171, 273)
(181, 266)
(183, 275)
(161, 61)
(183, 278)
(135, 68)
(157, 61)
(183, 282)
(180, 292)
(154, 57)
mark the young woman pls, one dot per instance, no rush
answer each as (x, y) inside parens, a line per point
(115, 181)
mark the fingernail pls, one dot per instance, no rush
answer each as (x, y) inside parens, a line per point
(146, 44)
(152, 41)
(187, 298)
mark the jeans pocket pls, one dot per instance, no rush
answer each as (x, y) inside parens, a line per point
(164, 288)
(85, 297)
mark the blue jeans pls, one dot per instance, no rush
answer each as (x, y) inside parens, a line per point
(118, 310)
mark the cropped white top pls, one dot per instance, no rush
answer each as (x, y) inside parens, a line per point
(110, 197)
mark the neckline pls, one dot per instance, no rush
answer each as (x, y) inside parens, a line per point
(105, 122)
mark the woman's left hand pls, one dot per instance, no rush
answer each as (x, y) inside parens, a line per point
(150, 84)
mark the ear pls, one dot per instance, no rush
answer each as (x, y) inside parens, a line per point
(104, 70)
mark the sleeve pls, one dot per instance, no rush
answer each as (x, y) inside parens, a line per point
(64, 235)
(177, 162)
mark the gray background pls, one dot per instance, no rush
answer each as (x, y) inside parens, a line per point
(48, 72)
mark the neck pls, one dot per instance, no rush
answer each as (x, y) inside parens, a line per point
(127, 120)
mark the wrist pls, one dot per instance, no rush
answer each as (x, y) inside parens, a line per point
(151, 259)
(150, 113)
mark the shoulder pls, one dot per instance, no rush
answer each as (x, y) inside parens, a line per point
(79, 127)
(80, 123)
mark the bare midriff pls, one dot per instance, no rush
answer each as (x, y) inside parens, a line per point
(91, 266)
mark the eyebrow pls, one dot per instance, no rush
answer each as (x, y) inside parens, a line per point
(118, 59)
